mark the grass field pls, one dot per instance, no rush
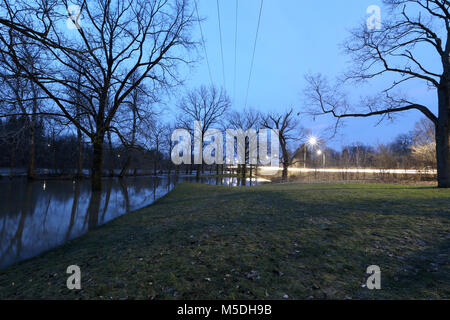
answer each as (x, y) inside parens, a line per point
(293, 241)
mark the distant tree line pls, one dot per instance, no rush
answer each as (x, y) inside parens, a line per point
(413, 150)
(61, 150)
(56, 153)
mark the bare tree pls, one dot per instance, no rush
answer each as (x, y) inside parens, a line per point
(114, 39)
(289, 131)
(156, 139)
(136, 121)
(393, 49)
(168, 144)
(206, 105)
(246, 120)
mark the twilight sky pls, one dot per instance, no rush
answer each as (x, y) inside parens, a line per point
(295, 37)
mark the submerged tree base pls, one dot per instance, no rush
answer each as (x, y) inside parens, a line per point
(302, 241)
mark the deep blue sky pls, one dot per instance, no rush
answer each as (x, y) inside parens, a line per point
(296, 37)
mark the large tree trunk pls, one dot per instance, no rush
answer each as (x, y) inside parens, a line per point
(111, 155)
(199, 169)
(97, 163)
(284, 176)
(443, 155)
(443, 136)
(126, 167)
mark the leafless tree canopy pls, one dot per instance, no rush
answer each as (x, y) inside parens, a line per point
(411, 25)
(116, 46)
(410, 28)
(207, 105)
(117, 40)
(289, 129)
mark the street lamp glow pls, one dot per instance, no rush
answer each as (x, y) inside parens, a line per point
(312, 141)
(319, 152)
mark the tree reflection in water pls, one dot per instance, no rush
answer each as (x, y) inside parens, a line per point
(36, 216)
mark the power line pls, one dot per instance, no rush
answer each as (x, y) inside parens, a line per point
(235, 49)
(203, 43)
(254, 50)
(221, 43)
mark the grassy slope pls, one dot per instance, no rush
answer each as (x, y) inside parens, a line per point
(304, 241)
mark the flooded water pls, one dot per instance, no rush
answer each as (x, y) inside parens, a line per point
(40, 215)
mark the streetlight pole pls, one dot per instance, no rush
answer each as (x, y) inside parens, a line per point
(321, 153)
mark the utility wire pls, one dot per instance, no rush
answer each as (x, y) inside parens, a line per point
(203, 43)
(221, 42)
(254, 50)
(235, 49)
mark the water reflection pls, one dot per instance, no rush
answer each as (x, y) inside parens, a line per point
(37, 216)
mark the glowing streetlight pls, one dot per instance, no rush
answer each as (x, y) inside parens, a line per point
(312, 141)
(319, 152)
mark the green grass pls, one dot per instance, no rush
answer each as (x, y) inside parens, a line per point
(304, 241)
